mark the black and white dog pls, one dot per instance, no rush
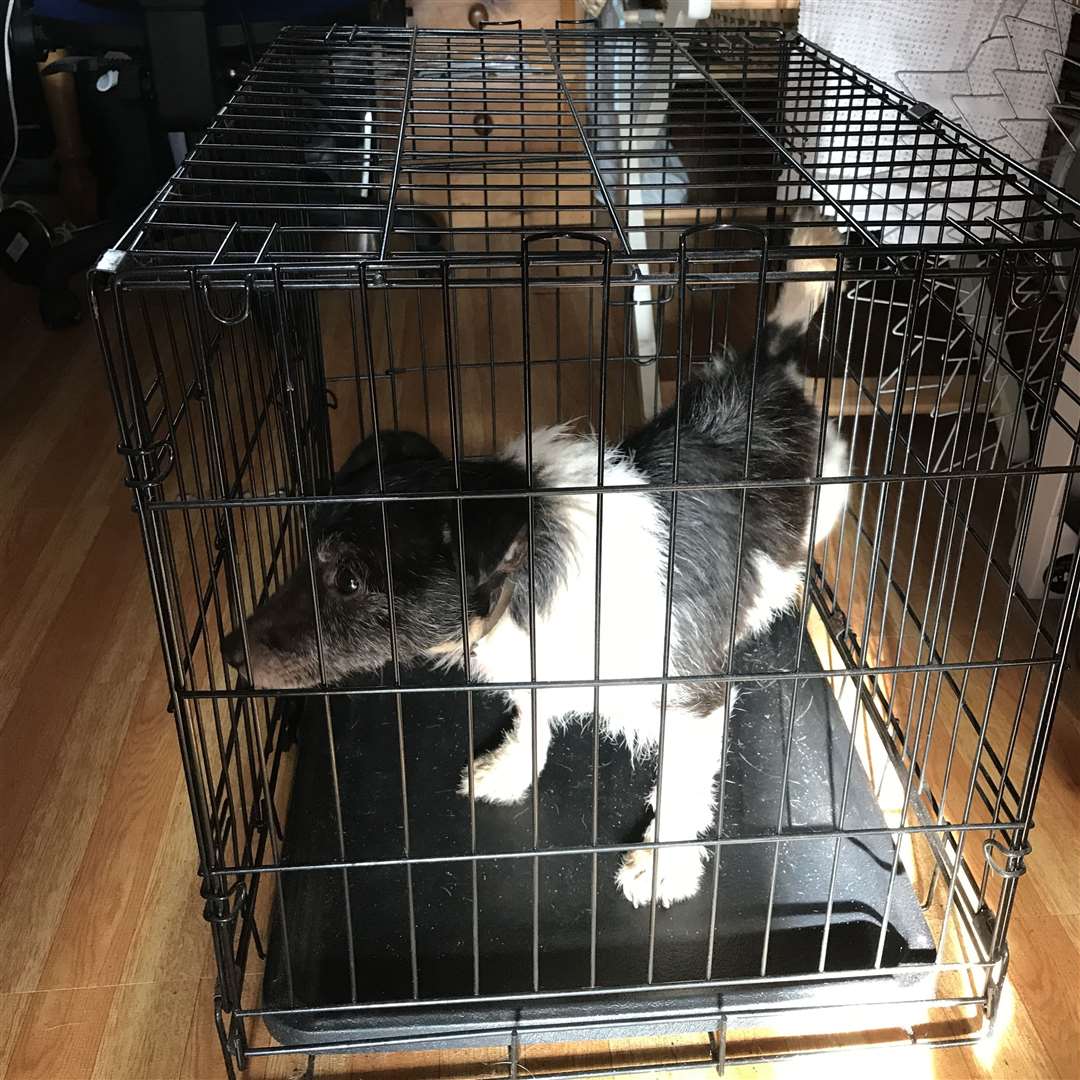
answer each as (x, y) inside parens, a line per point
(505, 573)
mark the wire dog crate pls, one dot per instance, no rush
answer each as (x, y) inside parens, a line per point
(471, 235)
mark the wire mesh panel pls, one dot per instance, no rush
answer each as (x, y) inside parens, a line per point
(400, 276)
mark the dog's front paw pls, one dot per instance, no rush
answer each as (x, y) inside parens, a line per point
(498, 777)
(678, 877)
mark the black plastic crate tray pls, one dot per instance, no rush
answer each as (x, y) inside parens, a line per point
(308, 963)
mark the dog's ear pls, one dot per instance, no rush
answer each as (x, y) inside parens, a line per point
(360, 471)
(496, 545)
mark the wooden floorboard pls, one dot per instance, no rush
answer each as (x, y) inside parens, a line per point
(105, 966)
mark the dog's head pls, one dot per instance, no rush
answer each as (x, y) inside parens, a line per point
(336, 607)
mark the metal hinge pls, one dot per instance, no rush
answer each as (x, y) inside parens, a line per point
(219, 909)
(1014, 858)
(149, 456)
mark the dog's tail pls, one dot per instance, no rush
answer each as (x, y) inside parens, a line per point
(800, 301)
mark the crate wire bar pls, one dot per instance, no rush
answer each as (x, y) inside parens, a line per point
(474, 234)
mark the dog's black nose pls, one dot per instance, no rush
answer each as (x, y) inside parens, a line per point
(232, 649)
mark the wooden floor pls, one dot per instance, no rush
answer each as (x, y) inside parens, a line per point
(105, 968)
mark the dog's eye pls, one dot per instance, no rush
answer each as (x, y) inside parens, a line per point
(346, 582)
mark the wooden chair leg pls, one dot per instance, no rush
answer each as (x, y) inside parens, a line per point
(78, 186)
